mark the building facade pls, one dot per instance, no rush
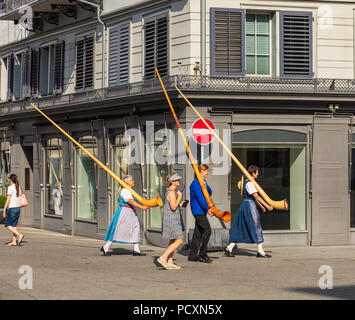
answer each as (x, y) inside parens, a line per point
(275, 77)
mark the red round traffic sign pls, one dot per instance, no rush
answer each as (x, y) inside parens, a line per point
(200, 132)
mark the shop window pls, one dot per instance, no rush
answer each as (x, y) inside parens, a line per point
(120, 164)
(158, 186)
(4, 166)
(282, 174)
(54, 177)
(86, 180)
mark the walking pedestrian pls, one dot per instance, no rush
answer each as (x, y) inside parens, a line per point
(173, 225)
(246, 226)
(13, 208)
(124, 227)
(199, 208)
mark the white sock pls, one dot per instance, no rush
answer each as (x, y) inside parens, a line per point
(107, 245)
(231, 246)
(136, 247)
(260, 249)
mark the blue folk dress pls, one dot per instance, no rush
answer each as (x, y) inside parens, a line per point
(124, 226)
(246, 225)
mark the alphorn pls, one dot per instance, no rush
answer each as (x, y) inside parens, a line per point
(279, 205)
(156, 202)
(223, 215)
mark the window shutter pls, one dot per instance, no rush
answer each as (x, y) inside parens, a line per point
(227, 42)
(10, 77)
(35, 63)
(26, 72)
(79, 83)
(58, 67)
(89, 61)
(119, 55)
(156, 47)
(296, 44)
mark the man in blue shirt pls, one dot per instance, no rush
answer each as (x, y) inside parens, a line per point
(200, 209)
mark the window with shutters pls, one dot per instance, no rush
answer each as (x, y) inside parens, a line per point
(6, 78)
(85, 50)
(257, 44)
(47, 76)
(119, 55)
(227, 42)
(156, 46)
(296, 44)
(35, 63)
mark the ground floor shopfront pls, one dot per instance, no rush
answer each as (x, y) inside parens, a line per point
(305, 157)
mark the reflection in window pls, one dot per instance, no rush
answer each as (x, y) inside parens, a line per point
(86, 180)
(54, 177)
(4, 166)
(282, 176)
(120, 164)
(158, 186)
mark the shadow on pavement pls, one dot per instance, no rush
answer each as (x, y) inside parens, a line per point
(340, 292)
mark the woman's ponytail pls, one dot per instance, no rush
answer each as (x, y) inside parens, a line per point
(13, 178)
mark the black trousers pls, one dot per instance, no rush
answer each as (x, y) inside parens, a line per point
(201, 236)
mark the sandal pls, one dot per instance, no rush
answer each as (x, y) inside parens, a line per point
(163, 263)
(173, 267)
(20, 240)
(10, 244)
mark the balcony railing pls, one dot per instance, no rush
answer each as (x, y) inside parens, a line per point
(213, 85)
(10, 5)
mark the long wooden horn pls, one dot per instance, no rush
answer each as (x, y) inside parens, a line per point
(157, 201)
(223, 215)
(279, 205)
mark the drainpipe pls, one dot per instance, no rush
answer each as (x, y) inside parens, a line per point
(98, 11)
(203, 36)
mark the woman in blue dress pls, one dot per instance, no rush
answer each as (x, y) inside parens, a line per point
(246, 226)
(124, 227)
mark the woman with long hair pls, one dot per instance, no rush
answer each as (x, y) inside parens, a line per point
(13, 213)
(173, 225)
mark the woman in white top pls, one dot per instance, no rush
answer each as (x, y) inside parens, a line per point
(13, 213)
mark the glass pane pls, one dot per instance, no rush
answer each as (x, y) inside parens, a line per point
(120, 169)
(263, 65)
(262, 24)
(250, 44)
(86, 194)
(352, 204)
(282, 176)
(250, 64)
(265, 135)
(262, 45)
(158, 187)
(250, 24)
(54, 189)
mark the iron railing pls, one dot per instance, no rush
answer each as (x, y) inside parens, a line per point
(232, 85)
(10, 5)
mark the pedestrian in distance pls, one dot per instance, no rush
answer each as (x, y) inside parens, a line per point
(246, 226)
(200, 209)
(173, 225)
(124, 227)
(12, 206)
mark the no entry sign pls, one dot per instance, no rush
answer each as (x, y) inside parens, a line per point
(200, 133)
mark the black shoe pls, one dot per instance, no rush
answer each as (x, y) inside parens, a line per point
(136, 253)
(227, 253)
(193, 259)
(104, 252)
(205, 259)
(259, 255)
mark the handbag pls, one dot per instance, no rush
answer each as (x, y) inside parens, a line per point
(23, 200)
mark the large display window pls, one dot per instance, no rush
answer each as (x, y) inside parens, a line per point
(281, 157)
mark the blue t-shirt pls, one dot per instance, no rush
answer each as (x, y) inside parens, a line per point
(198, 202)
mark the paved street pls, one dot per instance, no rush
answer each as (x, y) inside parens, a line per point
(67, 267)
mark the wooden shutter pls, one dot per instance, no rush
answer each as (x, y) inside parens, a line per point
(296, 44)
(80, 47)
(58, 67)
(10, 77)
(89, 61)
(156, 47)
(26, 74)
(119, 55)
(227, 42)
(35, 64)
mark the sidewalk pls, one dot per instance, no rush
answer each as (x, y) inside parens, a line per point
(70, 267)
